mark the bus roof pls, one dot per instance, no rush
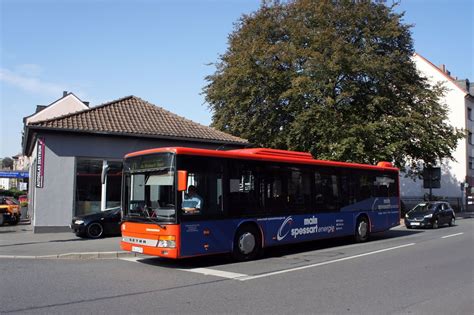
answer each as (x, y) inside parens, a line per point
(263, 154)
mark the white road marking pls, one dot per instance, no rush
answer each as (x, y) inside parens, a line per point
(132, 259)
(452, 235)
(321, 263)
(217, 273)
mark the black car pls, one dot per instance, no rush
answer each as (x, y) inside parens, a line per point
(96, 225)
(430, 214)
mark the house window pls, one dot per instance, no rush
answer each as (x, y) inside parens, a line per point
(471, 163)
(469, 139)
(469, 113)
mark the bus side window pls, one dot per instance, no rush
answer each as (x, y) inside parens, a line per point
(275, 190)
(326, 193)
(205, 174)
(299, 190)
(243, 197)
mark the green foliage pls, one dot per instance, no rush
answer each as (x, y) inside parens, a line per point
(7, 163)
(334, 78)
(13, 192)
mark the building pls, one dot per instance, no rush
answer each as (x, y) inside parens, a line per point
(70, 153)
(456, 176)
(67, 104)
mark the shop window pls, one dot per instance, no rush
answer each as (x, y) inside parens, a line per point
(88, 186)
(113, 184)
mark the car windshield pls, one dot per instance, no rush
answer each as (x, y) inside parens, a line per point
(149, 189)
(9, 201)
(423, 207)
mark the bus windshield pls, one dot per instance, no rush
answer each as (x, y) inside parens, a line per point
(149, 189)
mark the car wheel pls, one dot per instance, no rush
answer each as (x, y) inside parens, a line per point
(452, 221)
(15, 221)
(95, 230)
(435, 224)
(247, 243)
(362, 230)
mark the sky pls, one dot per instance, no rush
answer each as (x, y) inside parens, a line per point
(160, 51)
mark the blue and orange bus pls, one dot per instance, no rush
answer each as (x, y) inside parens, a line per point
(250, 199)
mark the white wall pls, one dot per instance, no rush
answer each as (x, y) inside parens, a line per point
(67, 105)
(452, 172)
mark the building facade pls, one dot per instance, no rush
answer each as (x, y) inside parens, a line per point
(71, 154)
(457, 177)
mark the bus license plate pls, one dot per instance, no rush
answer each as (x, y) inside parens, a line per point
(137, 249)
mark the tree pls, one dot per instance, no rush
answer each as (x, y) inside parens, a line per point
(335, 78)
(7, 163)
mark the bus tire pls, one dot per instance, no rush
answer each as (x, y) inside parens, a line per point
(2, 219)
(247, 243)
(362, 229)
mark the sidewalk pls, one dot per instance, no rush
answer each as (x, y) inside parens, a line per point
(20, 242)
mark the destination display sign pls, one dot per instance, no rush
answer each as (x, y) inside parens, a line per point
(149, 162)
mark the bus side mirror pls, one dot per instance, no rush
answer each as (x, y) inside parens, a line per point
(182, 180)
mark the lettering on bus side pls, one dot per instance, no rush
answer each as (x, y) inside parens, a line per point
(310, 227)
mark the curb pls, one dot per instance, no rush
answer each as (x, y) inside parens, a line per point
(78, 256)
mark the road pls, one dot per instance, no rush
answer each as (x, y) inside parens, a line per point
(398, 272)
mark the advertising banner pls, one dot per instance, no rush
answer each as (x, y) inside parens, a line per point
(40, 163)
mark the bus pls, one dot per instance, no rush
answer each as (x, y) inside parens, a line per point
(249, 199)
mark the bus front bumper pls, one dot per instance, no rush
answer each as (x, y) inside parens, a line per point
(166, 252)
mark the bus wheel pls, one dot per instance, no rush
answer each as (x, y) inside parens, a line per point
(2, 219)
(362, 230)
(247, 243)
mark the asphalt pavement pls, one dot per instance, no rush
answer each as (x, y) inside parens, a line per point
(401, 271)
(20, 242)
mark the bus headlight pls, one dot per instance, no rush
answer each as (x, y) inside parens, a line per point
(167, 241)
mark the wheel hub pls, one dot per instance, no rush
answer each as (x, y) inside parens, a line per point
(246, 243)
(362, 229)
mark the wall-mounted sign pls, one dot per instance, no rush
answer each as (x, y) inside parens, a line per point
(40, 163)
(14, 174)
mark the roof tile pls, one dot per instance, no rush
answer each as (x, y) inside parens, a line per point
(133, 116)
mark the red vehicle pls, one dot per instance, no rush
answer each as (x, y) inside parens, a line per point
(23, 198)
(9, 210)
(183, 202)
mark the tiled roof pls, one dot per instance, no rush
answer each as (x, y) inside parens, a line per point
(133, 116)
